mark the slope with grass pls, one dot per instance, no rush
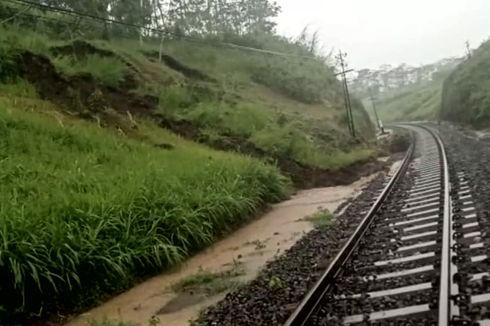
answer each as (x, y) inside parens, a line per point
(287, 110)
(466, 94)
(405, 93)
(86, 212)
(410, 103)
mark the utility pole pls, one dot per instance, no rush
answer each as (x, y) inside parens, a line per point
(347, 101)
(141, 30)
(468, 50)
(373, 101)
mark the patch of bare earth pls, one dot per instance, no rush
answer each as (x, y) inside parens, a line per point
(249, 248)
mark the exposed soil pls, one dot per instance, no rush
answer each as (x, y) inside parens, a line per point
(81, 93)
(303, 176)
(85, 97)
(80, 49)
(249, 247)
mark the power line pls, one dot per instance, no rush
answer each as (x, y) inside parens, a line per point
(156, 30)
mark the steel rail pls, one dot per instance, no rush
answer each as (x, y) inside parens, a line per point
(311, 301)
(446, 308)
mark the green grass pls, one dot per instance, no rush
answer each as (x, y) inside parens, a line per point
(207, 283)
(18, 87)
(295, 111)
(154, 321)
(25, 39)
(307, 80)
(108, 322)
(419, 101)
(322, 217)
(84, 213)
(411, 103)
(108, 70)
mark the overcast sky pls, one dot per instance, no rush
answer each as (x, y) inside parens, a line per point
(374, 32)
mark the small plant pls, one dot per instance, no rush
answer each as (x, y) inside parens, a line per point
(275, 283)
(208, 283)
(321, 218)
(109, 322)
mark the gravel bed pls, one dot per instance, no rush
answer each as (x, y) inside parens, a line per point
(260, 304)
(282, 284)
(377, 246)
(472, 156)
(377, 285)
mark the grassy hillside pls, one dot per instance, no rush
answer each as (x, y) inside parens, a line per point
(466, 94)
(415, 102)
(420, 101)
(220, 93)
(86, 212)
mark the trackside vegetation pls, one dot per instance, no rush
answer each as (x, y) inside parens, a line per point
(85, 212)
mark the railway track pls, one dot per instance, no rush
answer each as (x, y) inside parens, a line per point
(417, 258)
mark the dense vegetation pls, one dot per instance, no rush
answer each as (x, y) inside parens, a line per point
(85, 212)
(466, 94)
(95, 194)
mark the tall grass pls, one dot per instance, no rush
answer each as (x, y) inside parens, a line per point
(85, 213)
(25, 39)
(241, 119)
(18, 87)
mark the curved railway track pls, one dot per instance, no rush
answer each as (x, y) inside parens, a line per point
(417, 258)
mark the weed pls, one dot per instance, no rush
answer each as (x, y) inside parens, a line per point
(321, 218)
(208, 283)
(275, 283)
(154, 321)
(109, 322)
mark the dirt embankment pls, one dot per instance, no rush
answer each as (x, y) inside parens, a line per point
(84, 96)
(82, 92)
(180, 67)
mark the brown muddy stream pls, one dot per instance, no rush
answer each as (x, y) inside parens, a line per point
(250, 247)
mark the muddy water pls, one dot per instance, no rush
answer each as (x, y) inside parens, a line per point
(250, 247)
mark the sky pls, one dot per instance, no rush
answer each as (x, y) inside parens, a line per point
(376, 32)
